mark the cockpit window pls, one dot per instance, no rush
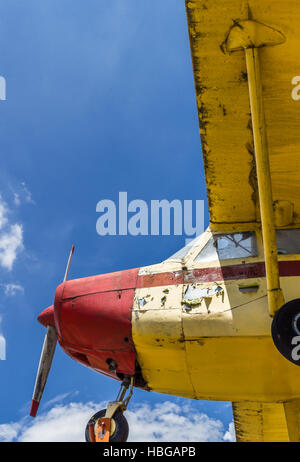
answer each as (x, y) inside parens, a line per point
(240, 245)
(288, 241)
(227, 246)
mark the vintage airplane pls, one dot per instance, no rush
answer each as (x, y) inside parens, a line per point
(220, 319)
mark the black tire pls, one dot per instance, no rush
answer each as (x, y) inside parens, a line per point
(285, 329)
(120, 434)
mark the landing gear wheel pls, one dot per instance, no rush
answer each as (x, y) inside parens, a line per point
(119, 427)
(286, 331)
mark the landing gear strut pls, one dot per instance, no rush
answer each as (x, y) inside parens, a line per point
(110, 425)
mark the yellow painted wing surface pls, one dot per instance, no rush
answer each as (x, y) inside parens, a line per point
(224, 109)
(267, 422)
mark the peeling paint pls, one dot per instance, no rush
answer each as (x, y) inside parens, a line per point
(142, 302)
(194, 296)
(163, 300)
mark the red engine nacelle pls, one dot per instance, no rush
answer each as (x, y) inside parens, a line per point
(92, 317)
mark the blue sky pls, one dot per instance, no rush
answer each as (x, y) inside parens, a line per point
(100, 99)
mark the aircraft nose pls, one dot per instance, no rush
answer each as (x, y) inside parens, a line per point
(93, 321)
(46, 317)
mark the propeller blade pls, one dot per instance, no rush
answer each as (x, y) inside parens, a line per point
(44, 368)
(46, 355)
(69, 262)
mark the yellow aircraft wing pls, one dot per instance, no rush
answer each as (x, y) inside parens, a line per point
(222, 94)
(266, 422)
(259, 422)
(245, 56)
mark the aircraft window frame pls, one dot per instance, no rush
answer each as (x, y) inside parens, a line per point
(209, 251)
(285, 240)
(186, 250)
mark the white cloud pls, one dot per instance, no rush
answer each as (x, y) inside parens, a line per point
(17, 200)
(61, 423)
(12, 289)
(27, 194)
(230, 434)
(8, 432)
(171, 423)
(23, 195)
(165, 421)
(3, 212)
(11, 238)
(59, 399)
(11, 243)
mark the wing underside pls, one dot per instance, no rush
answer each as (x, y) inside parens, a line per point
(224, 110)
(267, 422)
